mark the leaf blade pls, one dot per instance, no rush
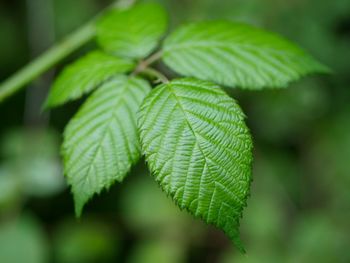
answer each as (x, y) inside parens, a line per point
(184, 126)
(234, 54)
(84, 75)
(101, 141)
(124, 33)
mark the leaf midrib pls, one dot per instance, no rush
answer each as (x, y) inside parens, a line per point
(178, 102)
(216, 44)
(113, 68)
(118, 104)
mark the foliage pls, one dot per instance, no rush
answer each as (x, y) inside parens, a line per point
(192, 133)
(124, 33)
(201, 158)
(235, 54)
(99, 132)
(85, 75)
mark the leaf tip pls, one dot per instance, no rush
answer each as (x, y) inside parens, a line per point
(238, 243)
(78, 206)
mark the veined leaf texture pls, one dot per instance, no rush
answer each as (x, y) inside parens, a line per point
(199, 150)
(234, 54)
(101, 141)
(84, 75)
(134, 32)
(193, 135)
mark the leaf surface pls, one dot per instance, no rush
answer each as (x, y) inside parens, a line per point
(234, 54)
(84, 75)
(134, 32)
(101, 141)
(198, 149)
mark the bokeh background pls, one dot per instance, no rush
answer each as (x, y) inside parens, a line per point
(299, 209)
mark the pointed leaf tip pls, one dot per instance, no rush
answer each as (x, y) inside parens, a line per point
(101, 141)
(199, 150)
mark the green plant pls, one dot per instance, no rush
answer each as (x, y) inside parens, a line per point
(192, 134)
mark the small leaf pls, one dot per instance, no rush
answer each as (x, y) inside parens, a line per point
(134, 32)
(84, 75)
(101, 141)
(199, 150)
(236, 55)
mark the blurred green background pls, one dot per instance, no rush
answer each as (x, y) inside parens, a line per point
(299, 209)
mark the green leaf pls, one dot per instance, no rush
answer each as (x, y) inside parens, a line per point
(84, 75)
(199, 150)
(101, 141)
(236, 55)
(134, 32)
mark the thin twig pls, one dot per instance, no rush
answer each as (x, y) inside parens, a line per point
(54, 55)
(143, 64)
(153, 73)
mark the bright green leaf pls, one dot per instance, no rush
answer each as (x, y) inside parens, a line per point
(199, 150)
(84, 75)
(101, 141)
(134, 32)
(236, 55)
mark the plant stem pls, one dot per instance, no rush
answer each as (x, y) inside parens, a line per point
(46, 61)
(144, 64)
(155, 74)
(54, 55)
